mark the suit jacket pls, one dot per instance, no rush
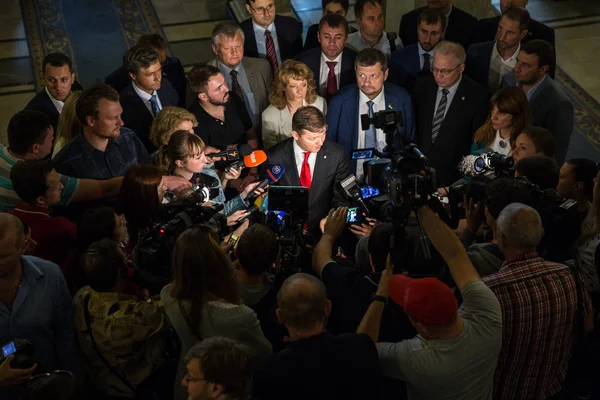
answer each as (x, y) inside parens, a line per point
(405, 67)
(312, 58)
(343, 114)
(477, 66)
(552, 109)
(260, 78)
(172, 70)
(466, 113)
(277, 124)
(136, 115)
(460, 27)
(289, 37)
(41, 102)
(331, 167)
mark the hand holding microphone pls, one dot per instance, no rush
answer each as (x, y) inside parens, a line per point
(274, 173)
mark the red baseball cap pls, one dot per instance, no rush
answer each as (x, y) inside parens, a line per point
(426, 300)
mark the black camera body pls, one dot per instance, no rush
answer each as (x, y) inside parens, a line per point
(481, 169)
(23, 351)
(384, 120)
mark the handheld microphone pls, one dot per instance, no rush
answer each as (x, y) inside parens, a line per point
(249, 212)
(233, 152)
(352, 190)
(255, 158)
(274, 173)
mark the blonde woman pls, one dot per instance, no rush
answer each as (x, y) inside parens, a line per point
(293, 87)
(68, 123)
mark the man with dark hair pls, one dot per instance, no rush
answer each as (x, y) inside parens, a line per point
(315, 364)
(576, 182)
(147, 93)
(415, 60)
(551, 108)
(35, 305)
(313, 162)
(218, 368)
(105, 149)
(338, 7)
(488, 63)
(449, 109)
(172, 70)
(459, 24)
(59, 80)
(39, 186)
(371, 35)
(369, 95)
(271, 36)
(539, 170)
(331, 63)
(123, 328)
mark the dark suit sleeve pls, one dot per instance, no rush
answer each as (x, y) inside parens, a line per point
(409, 118)
(341, 173)
(405, 30)
(312, 40)
(297, 43)
(560, 122)
(334, 111)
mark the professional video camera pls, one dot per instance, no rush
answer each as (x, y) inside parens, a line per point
(23, 351)
(481, 169)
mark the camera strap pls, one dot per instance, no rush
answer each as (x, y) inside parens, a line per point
(88, 323)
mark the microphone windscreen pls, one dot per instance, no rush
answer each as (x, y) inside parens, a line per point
(467, 165)
(259, 202)
(255, 158)
(244, 150)
(275, 173)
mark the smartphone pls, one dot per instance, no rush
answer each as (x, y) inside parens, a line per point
(9, 349)
(369, 191)
(352, 215)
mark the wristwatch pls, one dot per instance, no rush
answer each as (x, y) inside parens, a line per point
(382, 299)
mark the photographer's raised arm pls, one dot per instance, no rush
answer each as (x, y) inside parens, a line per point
(449, 246)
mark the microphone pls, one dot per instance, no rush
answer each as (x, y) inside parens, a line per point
(249, 212)
(466, 167)
(352, 190)
(255, 158)
(233, 152)
(274, 173)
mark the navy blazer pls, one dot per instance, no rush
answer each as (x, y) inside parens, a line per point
(405, 67)
(41, 102)
(289, 37)
(136, 115)
(477, 66)
(312, 58)
(460, 27)
(342, 115)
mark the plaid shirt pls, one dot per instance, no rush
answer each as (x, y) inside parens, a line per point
(539, 302)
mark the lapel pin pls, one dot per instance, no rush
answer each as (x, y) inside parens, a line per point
(390, 107)
(463, 98)
(324, 156)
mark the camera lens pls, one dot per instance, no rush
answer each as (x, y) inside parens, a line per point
(479, 165)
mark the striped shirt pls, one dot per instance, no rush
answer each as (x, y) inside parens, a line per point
(539, 302)
(9, 198)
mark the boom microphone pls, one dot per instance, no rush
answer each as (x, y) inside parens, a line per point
(274, 173)
(233, 152)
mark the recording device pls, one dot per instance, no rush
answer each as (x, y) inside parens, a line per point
(363, 154)
(353, 192)
(384, 120)
(233, 152)
(369, 192)
(201, 194)
(274, 173)
(482, 169)
(353, 216)
(23, 351)
(249, 211)
(254, 159)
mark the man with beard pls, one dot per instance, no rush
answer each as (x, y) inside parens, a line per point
(551, 108)
(488, 62)
(415, 60)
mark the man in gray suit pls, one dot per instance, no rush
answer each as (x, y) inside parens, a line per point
(248, 78)
(551, 108)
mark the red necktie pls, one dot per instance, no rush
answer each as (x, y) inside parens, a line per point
(331, 80)
(305, 179)
(271, 54)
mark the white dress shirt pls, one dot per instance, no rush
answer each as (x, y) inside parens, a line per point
(363, 108)
(356, 42)
(500, 67)
(498, 143)
(146, 98)
(324, 73)
(421, 58)
(299, 155)
(261, 43)
(451, 92)
(57, 103)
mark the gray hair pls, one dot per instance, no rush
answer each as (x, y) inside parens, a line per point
(448, 48)
(522, 226)
(228, 29)
(302, 299)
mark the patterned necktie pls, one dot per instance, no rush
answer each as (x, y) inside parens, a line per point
(370, 134)
(154, 105)
(271, 54)
(305, 178)
(426, 64)
(235, 85)
(439, 115)
(331, 80)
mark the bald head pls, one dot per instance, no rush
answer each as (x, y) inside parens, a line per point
(11, 227)
(302, 302)
(521, 227)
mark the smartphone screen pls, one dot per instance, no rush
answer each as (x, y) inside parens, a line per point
(352, 215)
(369, 191)
(9, 349)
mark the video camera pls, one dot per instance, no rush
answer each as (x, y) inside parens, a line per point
(482, 169)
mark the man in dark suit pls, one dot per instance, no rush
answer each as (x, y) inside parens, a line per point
(331, 64)
(459, 24)
(551, 108)
(147, 93)
(413, 61)
(339, 7)
(488, 62)
(172, 69)
(368, 96)
(449, 107)
(314, 162)
(59, 80)
(271, 36)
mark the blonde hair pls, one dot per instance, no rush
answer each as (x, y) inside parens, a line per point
(182, 145)
(68, 123)
(292, 69)
(166, 123)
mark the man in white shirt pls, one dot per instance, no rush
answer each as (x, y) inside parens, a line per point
(370, 20)
(488, 62)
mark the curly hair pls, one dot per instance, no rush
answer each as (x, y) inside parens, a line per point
(292, 69)
(166, 123)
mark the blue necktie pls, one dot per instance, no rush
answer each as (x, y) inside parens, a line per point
(370, 134)
(154, 105)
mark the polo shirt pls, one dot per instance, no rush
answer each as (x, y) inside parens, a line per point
(79, 158)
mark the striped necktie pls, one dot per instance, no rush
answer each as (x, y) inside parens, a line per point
(271, 54)
(439, 115)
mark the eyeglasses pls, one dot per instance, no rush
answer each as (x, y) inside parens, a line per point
(263, 10)
(444, 72)
(189, 379)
